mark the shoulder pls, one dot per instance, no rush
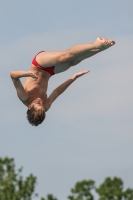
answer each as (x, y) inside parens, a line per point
(47, 108)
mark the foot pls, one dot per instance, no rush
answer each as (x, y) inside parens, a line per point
(102, 44)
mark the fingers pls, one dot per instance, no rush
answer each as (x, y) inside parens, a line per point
(86, 71)
(79, 74)
(33, 75)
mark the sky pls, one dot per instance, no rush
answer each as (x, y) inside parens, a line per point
(88, 132)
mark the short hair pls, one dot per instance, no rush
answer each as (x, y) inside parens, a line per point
(35, 117)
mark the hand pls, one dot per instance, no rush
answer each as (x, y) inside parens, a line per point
(77, 75)
(31, 74)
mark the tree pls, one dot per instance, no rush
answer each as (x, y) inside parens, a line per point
(49, 197)
(12, 184)
(14, 187)
(112, 189)
(82, 190)
(128, 194)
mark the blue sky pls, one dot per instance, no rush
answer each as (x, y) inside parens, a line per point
(88, 132)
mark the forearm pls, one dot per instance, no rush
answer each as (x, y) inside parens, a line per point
(60, 89)
(80, 49)
(18, 74)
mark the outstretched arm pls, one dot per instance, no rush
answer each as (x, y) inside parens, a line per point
(61, 88)
(15, 76)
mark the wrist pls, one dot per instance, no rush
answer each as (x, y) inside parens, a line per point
(73, 78)
(27, 74)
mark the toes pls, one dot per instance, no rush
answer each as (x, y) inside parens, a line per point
(104, 43)
(112, 42)
(109, 42)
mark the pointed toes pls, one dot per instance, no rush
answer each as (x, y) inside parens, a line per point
(112, 42)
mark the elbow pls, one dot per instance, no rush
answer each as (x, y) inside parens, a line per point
(11, 74)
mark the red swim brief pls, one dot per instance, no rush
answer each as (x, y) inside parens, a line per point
(50, 70)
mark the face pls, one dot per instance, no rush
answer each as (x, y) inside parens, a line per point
(38, 104)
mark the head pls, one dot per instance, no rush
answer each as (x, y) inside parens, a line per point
(36, 112)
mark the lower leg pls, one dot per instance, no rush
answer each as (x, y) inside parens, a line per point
(75, 54)
(89, 49)
(84, 56)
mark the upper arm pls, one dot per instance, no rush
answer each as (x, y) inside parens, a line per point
(20, 90)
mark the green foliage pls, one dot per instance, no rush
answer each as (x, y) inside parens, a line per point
(82, 190)
(12, 185)
(49, 197)
(128, 194)
(112, 189)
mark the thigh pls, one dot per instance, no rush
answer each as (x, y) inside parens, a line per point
(61, 67)
(48, 59)
(85, 56)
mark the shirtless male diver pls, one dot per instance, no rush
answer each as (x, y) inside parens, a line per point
(45, 64)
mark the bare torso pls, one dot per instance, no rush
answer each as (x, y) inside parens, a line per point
(37, 88)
